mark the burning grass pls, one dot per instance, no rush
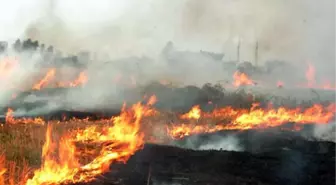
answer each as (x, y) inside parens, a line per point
(37, 151)
(22, 146)
(78, 150)
(62, 162)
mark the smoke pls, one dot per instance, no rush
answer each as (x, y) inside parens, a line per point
(296, 31)
(214, 142)
(229, 143)
(325, 132)
(122, 28)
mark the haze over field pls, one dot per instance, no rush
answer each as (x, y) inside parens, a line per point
(297, 30)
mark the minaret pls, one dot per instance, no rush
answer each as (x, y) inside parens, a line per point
(238, 51)
(256, 54)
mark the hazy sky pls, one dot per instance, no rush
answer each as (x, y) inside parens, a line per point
(297, 30)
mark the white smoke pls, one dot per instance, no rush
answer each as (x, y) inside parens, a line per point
(132, 28)
(122, 28)
(228, 143)
(325, 132)
(214, 142)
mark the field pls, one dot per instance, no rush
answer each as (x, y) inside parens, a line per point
(70, 150)
(74, 125)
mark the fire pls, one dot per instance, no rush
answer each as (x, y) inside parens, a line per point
(80, 80)
(194, 113)
(9, 116)
(241, 79)
(219, 113)
(260, 118)
(243, 119)
(3, 169)
(117, 142)
(11, 120)
(183, 130)
(45, 80)
(152, 100)
(83, 154)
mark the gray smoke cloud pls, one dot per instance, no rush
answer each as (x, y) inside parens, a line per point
(296, 30)
(214, 142)
(325, 132)
(228, 143)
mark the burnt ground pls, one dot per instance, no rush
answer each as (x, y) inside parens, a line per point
(284, 159)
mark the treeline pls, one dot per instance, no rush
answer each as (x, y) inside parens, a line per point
(47, 55)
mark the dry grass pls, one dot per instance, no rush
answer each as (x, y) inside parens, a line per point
(21, 145)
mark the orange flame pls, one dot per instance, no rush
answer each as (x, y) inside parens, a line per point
(9, 116)
(3, 169)
(260, 118)
(152, 100)
(243, 119)
(194, 113)
(45, 80)
(119, 142)
(117, 139)
(219, 113)
(241, 79)
(80, 80)
(10, 119)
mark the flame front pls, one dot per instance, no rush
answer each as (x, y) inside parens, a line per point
(117, 142)
(243, 119)
(80, 80)
(83, 154)
(11, 120)
(45, 80)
